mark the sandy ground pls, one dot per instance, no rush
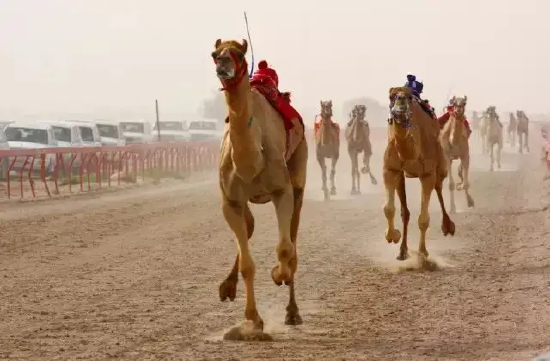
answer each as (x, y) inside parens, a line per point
(134, 275)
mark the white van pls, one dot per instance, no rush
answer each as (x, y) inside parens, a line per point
(111, 133)
(205, 130)
(88, 132)
(22, 135)
(137, 131)
(175, 131)
(66, 134)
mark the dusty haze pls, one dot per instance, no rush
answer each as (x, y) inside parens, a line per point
(106, 56)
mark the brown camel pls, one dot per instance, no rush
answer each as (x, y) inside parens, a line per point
(454, 141)
(413, 151)
(512, 130)
(327, 145)
(493, 130)
(358, 138)
(523, 131)
(253, 168)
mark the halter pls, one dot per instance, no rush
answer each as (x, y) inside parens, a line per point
(240, 72)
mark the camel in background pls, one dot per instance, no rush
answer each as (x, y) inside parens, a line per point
(493, 130)
(358, 138)
(327, 145)
(413, 151)
(476, 125)
(454, 141)
(523, 131)
(483, 133)
(257, 166)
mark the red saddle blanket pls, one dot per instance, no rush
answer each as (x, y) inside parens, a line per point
(280, 103)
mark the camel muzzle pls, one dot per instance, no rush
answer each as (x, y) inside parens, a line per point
(224, 74)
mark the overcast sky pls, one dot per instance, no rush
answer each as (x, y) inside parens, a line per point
(82, 55)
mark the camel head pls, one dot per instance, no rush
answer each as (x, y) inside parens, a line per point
(229, 57)
(401, 99)
(326, 109)
(359, 111)
(459, 105)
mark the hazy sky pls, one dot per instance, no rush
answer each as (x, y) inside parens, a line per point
(97, 54)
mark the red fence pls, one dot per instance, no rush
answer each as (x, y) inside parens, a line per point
(24, 172)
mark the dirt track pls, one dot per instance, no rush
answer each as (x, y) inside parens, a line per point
(134, 275)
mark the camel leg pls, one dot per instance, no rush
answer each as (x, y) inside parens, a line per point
(322, 163)
(492, 158)
(499, 151)
(357, 173)
(447, 225)
(391, 179)
(333, 174)
(354, 166)
(284, 207)
(292, 313)
(526, 134)
(366, 166)
(298, 180)
(520, 143)
(451, 185)
(465, 164)
(405, 216)
(228, 288)
(428, 185)
(234, 213)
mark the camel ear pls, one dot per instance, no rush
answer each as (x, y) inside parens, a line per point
(218, 43)
(390, 92)
(465, 98)
(244, 44)
(321, 102)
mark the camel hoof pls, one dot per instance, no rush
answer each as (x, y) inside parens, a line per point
(403, 256)
(353, 192)
(448, 226)
(279, 278)
(453, 210)
(247, 331)
(293, 319)
(393, 236)
(373, 181)
(333, 192)
(470, 202)
(364, 170)
(228, 289)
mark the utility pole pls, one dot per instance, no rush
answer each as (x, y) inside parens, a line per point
(158, 121)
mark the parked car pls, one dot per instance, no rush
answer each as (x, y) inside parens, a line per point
(172, 131)
(88, 132)
(137, 131)
(37, 135)
(66, 134)
(4, 162)
(205, 130)
(111, 133)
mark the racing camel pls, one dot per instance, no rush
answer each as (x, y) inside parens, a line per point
(327, 145)
(523, 130)
(258, 165)
(454, 141)
(512, 130)
(413, 151)
(493, 130)
(358, 138)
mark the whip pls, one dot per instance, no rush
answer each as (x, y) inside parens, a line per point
(251, 49)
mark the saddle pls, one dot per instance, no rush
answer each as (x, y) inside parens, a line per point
(425, 105)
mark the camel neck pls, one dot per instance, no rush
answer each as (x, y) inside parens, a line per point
(243, 133)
